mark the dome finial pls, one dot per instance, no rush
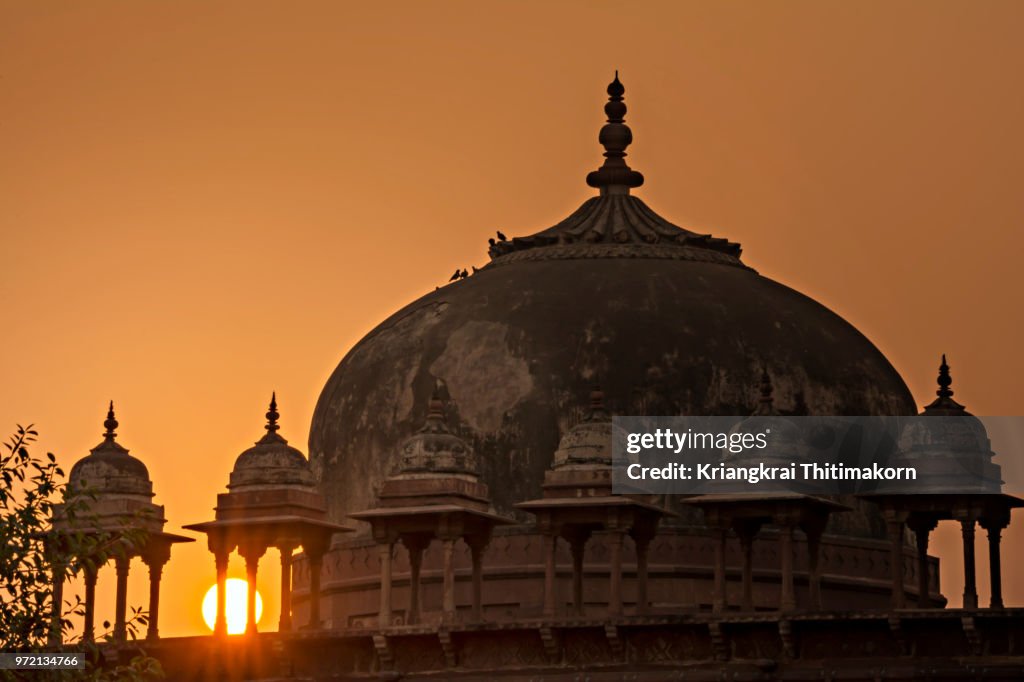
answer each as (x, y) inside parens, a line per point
(435, 408)
(944, 380)
(944, 405)
(598, 412)
(766, 404)
(615, 177)
(272, 414)
(110, 424)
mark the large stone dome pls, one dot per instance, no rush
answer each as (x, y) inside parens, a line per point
(667, 321)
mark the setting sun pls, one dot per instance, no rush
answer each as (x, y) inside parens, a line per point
(236, 606)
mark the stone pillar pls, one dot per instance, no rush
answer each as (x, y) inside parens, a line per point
(251, 567)
(895, 520)
(384, 550)
(155, 555)
(995, 526)
(477, 547)
(220, 558)
(970, 583)
(995, 569)
(251, 554)
(615, 538)
(285, 623)
(315, 552)
(577, 546)
(448, 574)
(788, 597)
(156, 569)
(922, 527)
(550, 545)
(718, 600)
(813, 528)
(416, 545)
(642, 543)
(121, 565)
(89, 626)
(747, 531)
(56, 636)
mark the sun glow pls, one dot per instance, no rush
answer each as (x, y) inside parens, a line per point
(236, 607)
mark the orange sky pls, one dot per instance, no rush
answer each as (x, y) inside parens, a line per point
(204, 201)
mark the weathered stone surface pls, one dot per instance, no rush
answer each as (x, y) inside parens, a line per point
(518, 344)
(857, 645)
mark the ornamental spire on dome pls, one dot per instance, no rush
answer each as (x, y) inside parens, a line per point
(434, 447)
(589, 442)
(272, 414)
(272, 435)
(944, 380)
(109, 443)
(598, 412)
(435, 407)
(110, 424)
(615, 224)
(766, 404)
(615, 176)
(944, 405)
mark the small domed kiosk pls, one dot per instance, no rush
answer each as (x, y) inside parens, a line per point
(744, 514)
(952, 447)
(271, 501)
(111, 498)
(578, 502)
(435, 494)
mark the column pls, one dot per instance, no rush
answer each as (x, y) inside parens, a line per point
(156, 554)
(121, 565)
(477, 546)
(155, 571)
(995, 526)
(615, 579)
(894, 521)
(448, 590)
(813, 531)
(922, 527)
(251, 554)
(788, 600)
(57, 614)
(220, 558)
(89, 628)
(970, 586)
(747, 531)
(416, 545)
(718, 536)
(550, 544)
(577, 546)
(384, 612)
(315, 553)
(285, 623)
(642, 535)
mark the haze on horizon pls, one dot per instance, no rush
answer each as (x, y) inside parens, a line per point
(207, 201)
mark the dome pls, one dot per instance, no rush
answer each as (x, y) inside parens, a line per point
(434, 449)
(787, 443)
(589, 443)
(271, 462)
(952, 455)
(108, 469)
(668, 321)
